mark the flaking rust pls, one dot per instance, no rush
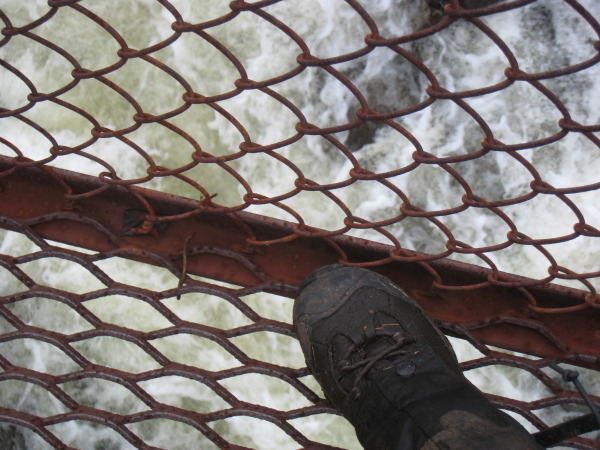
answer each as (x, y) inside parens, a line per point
(139, 223)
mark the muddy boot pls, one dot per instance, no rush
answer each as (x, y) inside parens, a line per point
(387, 368)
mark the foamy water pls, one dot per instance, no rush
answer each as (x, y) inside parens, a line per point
(540, 35)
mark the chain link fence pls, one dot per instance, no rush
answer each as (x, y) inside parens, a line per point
(170, 172)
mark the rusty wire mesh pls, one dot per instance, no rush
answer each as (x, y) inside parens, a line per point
(299, 123)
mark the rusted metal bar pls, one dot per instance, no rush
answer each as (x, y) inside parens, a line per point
(227, 247)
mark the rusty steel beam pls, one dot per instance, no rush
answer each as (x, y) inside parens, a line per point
(495, 315)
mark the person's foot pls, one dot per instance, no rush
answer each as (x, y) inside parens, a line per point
(388, 369)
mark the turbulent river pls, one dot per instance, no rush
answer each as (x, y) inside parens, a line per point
(543, 36)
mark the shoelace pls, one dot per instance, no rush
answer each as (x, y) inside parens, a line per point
(400, 339)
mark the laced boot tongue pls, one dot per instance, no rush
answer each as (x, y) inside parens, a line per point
(374, 346)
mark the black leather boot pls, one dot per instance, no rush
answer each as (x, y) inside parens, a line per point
(388, 369)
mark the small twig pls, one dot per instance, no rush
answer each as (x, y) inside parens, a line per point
(184, 267)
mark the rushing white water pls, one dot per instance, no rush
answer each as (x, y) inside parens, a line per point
(543, 36)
